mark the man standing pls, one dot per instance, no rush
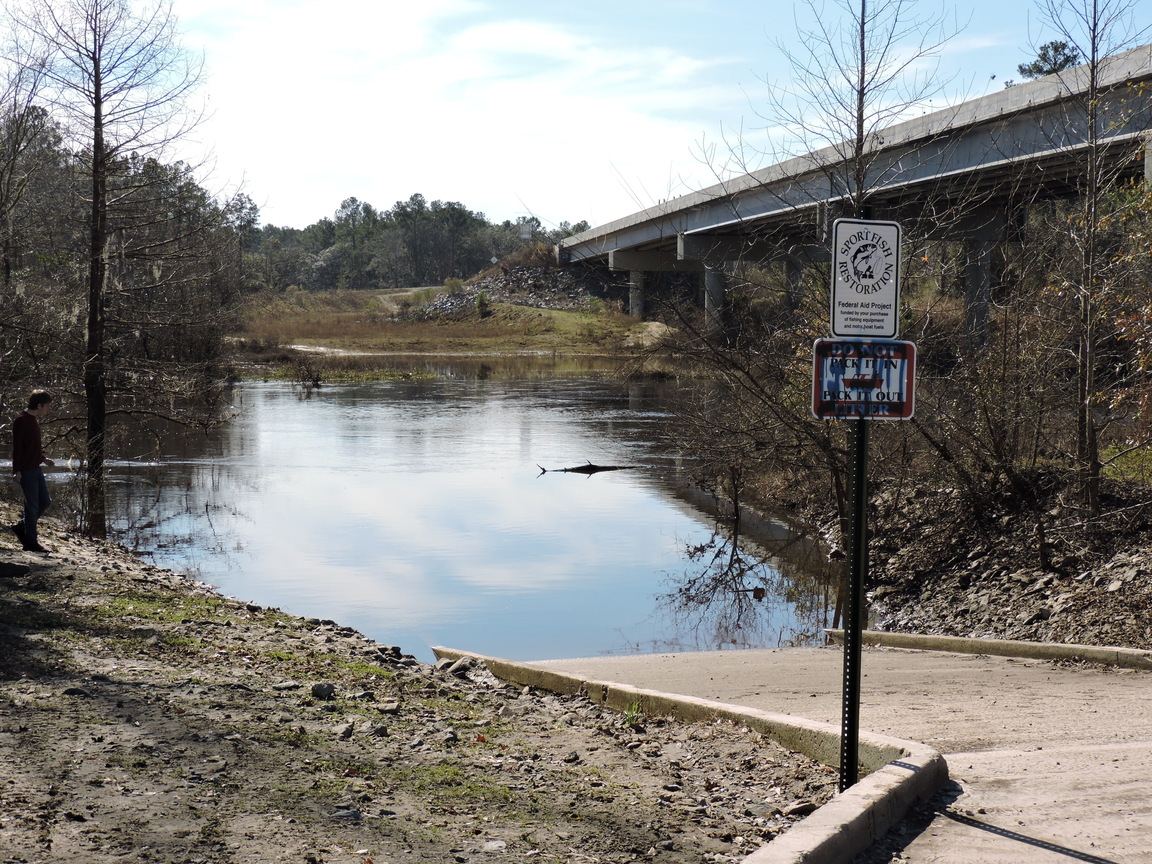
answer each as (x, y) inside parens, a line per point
(27, 457)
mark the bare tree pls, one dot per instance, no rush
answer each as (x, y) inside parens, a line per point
(120, 82)
(858, 66)
(24, 128)
(1098, 31)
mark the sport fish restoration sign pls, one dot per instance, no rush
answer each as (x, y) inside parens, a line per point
(865, 278)
(858, 378)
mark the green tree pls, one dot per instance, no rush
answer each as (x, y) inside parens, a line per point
(355, 222)
(566, 229)
(319, 235)
(277, 258)
(1053, 57)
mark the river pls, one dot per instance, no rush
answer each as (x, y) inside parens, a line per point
(416, 512)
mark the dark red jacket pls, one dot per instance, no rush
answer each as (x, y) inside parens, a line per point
(27, 448)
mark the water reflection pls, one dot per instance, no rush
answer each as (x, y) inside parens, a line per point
(415, 511)
(534, 365)
(736, 593)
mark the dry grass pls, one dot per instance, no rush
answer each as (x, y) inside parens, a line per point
(363, 334)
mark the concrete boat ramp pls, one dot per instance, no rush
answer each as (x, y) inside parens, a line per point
(1047, 760)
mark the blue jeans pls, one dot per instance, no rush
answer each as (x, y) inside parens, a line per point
(36, 501)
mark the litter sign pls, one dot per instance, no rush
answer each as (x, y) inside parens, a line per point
(854, 378)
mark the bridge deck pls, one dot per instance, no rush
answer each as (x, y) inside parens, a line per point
(949, 168)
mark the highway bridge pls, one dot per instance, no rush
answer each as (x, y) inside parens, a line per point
(962, 174)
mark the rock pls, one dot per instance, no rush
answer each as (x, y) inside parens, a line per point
(323, 691)
(461, 667)
(1041, 614)
(799, 808)
(763, 811)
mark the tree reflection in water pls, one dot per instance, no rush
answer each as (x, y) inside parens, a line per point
(174, 509)
(738, 593)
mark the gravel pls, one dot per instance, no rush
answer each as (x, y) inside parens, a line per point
(144, 717)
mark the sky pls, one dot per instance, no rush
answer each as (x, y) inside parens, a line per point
(559, 110)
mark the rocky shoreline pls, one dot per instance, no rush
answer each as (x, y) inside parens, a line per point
(940, 569)
(144, 717)
(531, 286)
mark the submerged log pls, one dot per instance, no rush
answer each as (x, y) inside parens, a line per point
(588, 469)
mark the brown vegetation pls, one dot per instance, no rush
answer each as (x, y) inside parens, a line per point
(509, 311)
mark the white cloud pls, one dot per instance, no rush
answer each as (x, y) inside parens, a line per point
(312, 102)
(565, 111)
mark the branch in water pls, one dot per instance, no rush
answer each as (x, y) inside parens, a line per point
(588, 469)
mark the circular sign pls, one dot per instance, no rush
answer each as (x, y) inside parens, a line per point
(867, 261)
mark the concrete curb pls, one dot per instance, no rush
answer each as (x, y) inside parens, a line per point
(1128, 658)
(898, 773)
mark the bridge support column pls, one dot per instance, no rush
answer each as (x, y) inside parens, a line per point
(1148, 158)
(636, 293)
(714, 283)
(978, 282)
(794, 278)
(980, 248)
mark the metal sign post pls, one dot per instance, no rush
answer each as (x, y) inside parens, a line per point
(859, 380)
(861, 376)
(854, 611)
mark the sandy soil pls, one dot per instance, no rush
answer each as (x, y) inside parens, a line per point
(143, 717)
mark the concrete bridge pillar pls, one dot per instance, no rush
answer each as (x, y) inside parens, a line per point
(794, 278)
(978, 281)
(636, 293)
(980, 247)
(714, 285)
(1148, 158)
